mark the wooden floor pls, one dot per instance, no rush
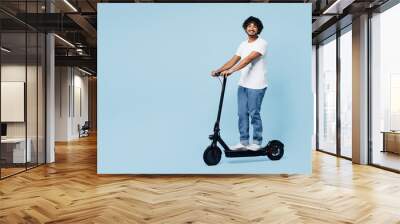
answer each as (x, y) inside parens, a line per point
(387, 159)
(70, 191)
(5, 172)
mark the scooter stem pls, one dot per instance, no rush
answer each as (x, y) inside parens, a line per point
(221, 100)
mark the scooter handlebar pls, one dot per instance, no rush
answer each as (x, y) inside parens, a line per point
(217, 74)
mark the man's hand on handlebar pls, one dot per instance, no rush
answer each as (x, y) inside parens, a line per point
(215, 73)
(226, 73)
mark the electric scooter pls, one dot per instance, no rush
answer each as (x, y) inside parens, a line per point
(212, 155)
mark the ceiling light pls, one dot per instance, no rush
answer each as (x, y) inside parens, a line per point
(84, 71)
(64, 40)
(70, 5)
(337, 7)
(331, 7)
(5, 50)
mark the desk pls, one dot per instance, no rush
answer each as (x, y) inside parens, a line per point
(15, 148)
(391, 141)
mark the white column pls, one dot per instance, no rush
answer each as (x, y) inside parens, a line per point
(50, 91)
(50, 79)
(360, 90)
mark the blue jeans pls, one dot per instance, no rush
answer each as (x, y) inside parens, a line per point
(249, 104)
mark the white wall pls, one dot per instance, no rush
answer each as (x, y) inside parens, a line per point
(15, 72)
(79, 117)
(62, 81)
(10, 73)
(33, 127)
(71, 87)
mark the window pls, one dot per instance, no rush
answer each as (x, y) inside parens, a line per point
(385, 88)
(327, 96)
(346, 93)
(22, 88)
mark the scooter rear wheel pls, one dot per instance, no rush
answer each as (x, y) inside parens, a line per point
(212, 155)
(275, 150)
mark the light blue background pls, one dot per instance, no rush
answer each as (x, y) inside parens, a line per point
(157, 103)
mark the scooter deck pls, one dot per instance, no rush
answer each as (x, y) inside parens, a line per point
(245, 153)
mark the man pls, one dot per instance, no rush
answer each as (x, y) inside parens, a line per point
(252, 84)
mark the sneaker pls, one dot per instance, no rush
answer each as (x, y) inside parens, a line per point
(238, 147)
(253, 147)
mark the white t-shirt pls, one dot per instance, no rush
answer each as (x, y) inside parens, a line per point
(254, 75)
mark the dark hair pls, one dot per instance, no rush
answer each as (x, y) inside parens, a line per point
(254, 20)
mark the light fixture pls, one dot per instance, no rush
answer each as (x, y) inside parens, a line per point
(64, 40)
(70, 5)
(79, 51)
(337, 7)
(331, 7)
(84, 71)
(5, 50)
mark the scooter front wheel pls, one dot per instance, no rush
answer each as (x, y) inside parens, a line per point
(212, 155)
(275, 150)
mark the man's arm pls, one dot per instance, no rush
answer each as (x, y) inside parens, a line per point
(252, 56)
(229, 64)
